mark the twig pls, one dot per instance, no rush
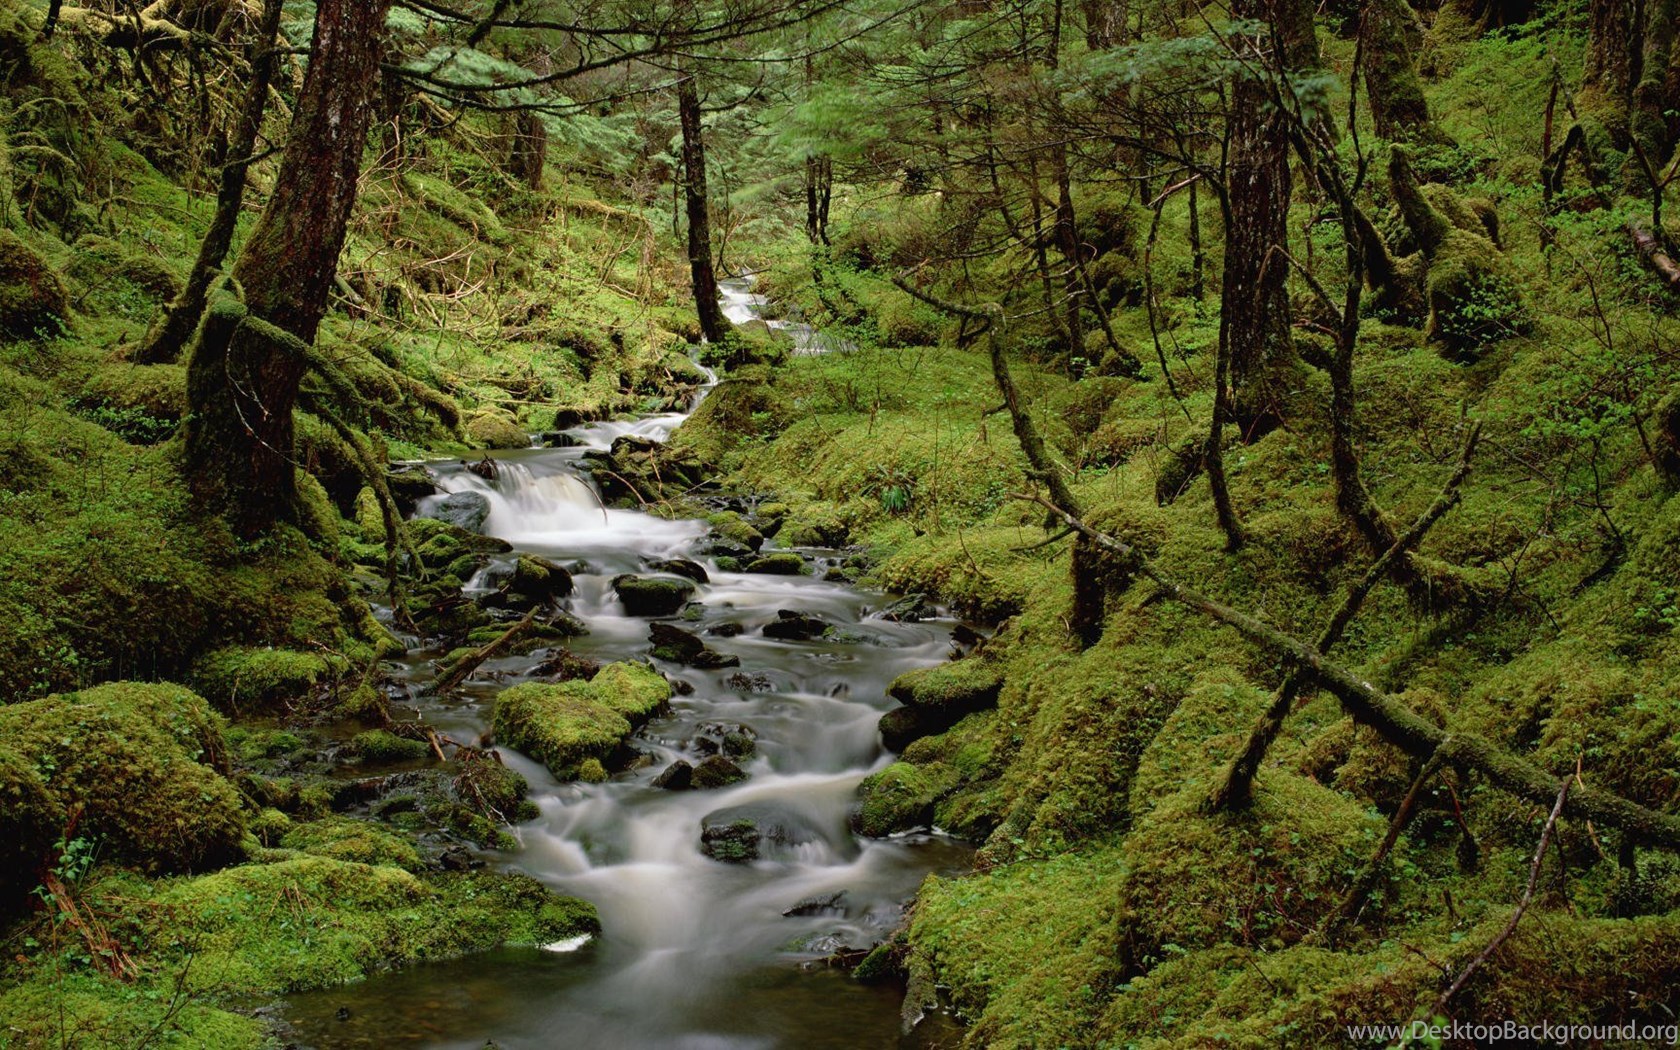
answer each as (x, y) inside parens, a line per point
(456, 672)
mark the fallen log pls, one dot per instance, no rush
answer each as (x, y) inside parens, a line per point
(1651, 250)
(1396, 723)
(456, 673)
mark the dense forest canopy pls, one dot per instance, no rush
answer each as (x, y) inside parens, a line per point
(1129, 523)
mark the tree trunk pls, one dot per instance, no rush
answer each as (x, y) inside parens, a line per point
(530, 149)
(1105, 22)
(242, 385)
(1612, 65)
(1398, 109)
(1255, 293)
(702, 276)
(1656, 98)
(174, 327)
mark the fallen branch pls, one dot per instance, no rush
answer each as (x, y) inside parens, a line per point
(1522, 905)
(1651, 250)
(456, 673)
(1398, 724)
(1236, 789)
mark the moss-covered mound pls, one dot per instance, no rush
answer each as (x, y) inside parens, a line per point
(568, 724)
(950, 690)
(243, 678)
(31, 819)
(33, 299)
(139, 764)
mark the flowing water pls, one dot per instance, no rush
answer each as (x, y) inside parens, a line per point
(696, 953)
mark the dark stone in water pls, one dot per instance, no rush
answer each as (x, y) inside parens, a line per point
(792, 626)
(726, 738)
(409, 485)
(559, 439)
(681, 567)
(778, 563)
(722, 548)
(717, 772)
(652, 595)
(902, 726)
(674, 777)
(726, 629)
(966, 636)
(468, 510)
(680, 646)
(738, 834)
(733, 843)
(912, 608)
(824, 904)
(756, 682)
(485, 468)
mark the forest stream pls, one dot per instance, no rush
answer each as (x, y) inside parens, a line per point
(695, 952)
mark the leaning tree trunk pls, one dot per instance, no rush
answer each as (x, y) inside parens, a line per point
(241, 385)
(702, 275)
(529, 150)
(174, 327)
(1656, 98)
(1398, 109)
(1255, 293)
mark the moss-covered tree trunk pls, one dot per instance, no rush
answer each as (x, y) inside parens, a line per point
(1656, 97)
(174, 327)
(529, 150)
(1612, 64)
(1398, 109)
(1255, 294)
(241, 385)
(702, 275)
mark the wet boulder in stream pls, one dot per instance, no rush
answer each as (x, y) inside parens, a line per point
(652, 595)
(793, 626)
(717, 771)
(536, 581)
(467, 510)
(674, 777)
(693, 570)
(936, 698)
(760, 830)
(680, 646)
(565, 725)
(779, 563)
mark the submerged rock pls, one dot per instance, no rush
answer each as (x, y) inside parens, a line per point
(781, 563)
(737, 834)
(681, 567)
(652, 595)
(822, 904)
(912, 608)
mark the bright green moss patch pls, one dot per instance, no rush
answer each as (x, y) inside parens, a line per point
(900, 797)
(567, 724)
(949, 689)
(38, 1011)
(251, 679)
(138, 762)
(360, 841)
(312, 922)
(382, 745)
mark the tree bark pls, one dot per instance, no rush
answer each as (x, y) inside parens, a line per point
(1612, 65)
(1255, 293)
(529, 150)
(702, 275)
(174, 327)
(242, 384)
(1398, 109)
(1657, 94)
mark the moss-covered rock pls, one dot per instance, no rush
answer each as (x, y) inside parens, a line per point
(780, 563)
(241, 678)
(138, 761)
(314, 921)
(1473, 300)
(351, 839)
(950, 690)
(382, 745)
(33, 300)
(652, 595)
(30, 821)
(491, 429)
(567, 724)
(900, 797)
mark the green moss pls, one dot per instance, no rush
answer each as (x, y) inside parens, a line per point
(39, 1010)
(900, 797)
(138, 761)
(33, 299)
(495, 430)
(31, 819)
(567, 724)
(312, 922)
(246, 679)
(781, 563)
(382, 745)
(949, 689)
(348, 839)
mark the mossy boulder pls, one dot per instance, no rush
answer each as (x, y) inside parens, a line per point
(382, 745)
(1263, 876)
(716, 771)
(652, 595)
(948, 691)
(139, 761)
(30, 821)
(817, 524)
(900, 797)
(1473, 300)
(567, 724)
(537, 581)
(339, 921)
(142, 404)
(735, 529)
(240, 678)
(492, 429)
(100, 262)
(33, 300)
(781, 563)
(352, 839)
